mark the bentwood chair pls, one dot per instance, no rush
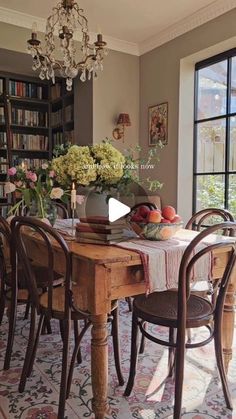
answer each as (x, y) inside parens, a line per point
(13, 289)
(207, 217)
(201, 220)
(180, 310)
(61, 303)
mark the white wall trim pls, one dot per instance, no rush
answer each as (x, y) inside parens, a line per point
(185, 129)
(25, 20)
(204, 15)
(215, 9)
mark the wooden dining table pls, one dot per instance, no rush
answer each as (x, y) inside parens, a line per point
(106, 273)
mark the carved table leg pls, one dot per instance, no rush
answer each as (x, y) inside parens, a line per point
(228, 322)
(99, 365)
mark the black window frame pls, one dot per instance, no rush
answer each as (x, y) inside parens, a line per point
(227, 55)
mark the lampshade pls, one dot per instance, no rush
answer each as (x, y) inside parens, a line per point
(124, 119)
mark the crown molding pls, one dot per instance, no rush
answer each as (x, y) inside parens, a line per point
(204, 15)
(215, 9)
(25, 20)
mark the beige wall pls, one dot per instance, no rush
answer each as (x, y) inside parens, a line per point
(159, 82)
(116, 90)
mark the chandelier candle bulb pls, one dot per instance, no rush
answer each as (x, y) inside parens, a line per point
(73, 197)
(34, 29)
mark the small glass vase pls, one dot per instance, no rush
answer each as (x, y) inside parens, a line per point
(44, 209)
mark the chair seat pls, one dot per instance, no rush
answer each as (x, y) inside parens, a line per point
(58, 302)
(41, 274)
(161, 308)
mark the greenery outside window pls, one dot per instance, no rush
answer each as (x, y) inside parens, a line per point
(214, 168)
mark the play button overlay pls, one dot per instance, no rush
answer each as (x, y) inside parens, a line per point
(116, 209)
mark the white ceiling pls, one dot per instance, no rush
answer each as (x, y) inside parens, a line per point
(135, 22)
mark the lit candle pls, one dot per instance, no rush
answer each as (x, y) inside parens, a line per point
(73, 197)
(23, 165)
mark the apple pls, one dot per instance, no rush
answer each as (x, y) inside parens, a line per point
(176, 219)
(168, 213)
(165, 221)
(137, 218)
(143, 210)
(154, 216)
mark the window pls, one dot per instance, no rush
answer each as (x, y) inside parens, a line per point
(214, 176)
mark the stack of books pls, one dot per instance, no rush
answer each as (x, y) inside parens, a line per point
(99, 230)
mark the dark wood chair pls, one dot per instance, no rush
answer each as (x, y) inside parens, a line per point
(207, 217)
(61, 303)
(180, 310)
(13, 289)
(201, 220)
(62, 211)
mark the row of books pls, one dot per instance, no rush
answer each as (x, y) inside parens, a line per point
(57, 138)
(99, 230)
(70, 137)
(56, 91)
(1, 86)
(69, 113)
(2, 115)
(3, 140)
(56, 117)
(3, 166)
(27, 90)
(29, 118)
(29, 163)
(29, 142)
(2, 191)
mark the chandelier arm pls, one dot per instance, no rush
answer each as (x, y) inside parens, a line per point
(67, 17)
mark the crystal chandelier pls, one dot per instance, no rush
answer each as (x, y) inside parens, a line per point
(67, 17)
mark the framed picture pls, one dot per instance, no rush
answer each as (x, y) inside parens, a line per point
(158, 124)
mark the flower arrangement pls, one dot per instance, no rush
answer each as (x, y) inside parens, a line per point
(104, 167)
(34, 187)
(99, 165)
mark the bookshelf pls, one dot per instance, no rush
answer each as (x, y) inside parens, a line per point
(34, 116)
(62, 114)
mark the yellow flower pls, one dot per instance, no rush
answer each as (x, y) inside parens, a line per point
(110, 162)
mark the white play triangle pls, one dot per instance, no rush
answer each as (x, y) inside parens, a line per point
(116, 209)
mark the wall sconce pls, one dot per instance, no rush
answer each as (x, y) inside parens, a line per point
(122, 122)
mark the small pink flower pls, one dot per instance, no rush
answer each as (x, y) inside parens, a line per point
(79, 199)
(51, 173)
(11, 171)
(31, 176)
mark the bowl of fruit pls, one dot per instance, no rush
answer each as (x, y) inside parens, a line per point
(155, 224)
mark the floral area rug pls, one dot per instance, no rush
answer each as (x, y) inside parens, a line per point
(151, 398)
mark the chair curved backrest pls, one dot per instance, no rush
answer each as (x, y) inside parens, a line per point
(61, 210)
(203, 246)
(207, 217)
(51, 242)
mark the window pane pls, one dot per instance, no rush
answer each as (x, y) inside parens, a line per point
(212, 87)
(232, 155)
(233, 85)
(210, 191)
(211, 146)
(232, 194)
